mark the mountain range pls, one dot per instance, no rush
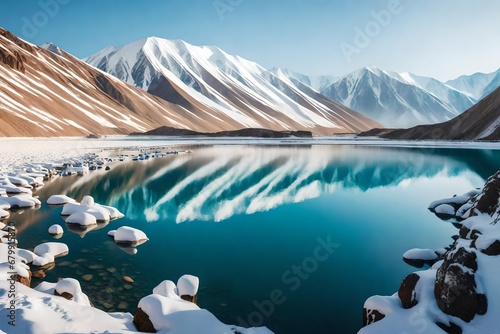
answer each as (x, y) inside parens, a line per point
(175, 70)
(45, 91)
(480, 122)
(189, 75)
(152, 83)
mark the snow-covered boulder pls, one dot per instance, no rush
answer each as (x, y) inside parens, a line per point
(44, 260)
(187, 287)
(59, 200)
(419, 257)
(26, 255)
(4, 214)
(129, 236)
(99, 213)
(70, 289)
(157, 313)
(87, 201)
(167, 288)
(23, 273)
(55, 248)
(445, 210)
(114, 213)
(21, 201)
(111, 233)
(56, 229)
(82, 219)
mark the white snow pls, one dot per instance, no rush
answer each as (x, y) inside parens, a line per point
(166, 288)
(81, 218)
(72, 286)
(54, 248)
(59, 200)
(420, 254)
(98, 212)
(188, 285)
(44, 259)
(445, 209)
(56, 229)
(126, 234)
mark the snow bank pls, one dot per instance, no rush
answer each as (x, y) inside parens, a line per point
(21, 201)
(166, 288)
(39, 312)
(56, 229)
(59, 200)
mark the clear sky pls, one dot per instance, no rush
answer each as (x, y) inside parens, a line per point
(443, 39)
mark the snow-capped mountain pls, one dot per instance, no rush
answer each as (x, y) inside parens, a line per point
(316, 82)
(398, 100)
(238, 89)
(481, 122)
(477, 85)
(51, 93)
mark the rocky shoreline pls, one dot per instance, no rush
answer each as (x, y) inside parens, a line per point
(458, 293)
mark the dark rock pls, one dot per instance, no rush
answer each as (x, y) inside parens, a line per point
(192, 299)
(483, 304)
(371, 316)
(455, 286)
(450, 329)
(407, 293)
(66, 295)
(39, 274)
(142, 322)
(487, 201)
(493, 249)
(23, 280)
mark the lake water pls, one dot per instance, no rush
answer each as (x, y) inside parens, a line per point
(295, 238)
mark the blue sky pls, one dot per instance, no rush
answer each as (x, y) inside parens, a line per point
(443, 39)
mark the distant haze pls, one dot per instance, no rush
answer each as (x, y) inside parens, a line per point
(441, 39)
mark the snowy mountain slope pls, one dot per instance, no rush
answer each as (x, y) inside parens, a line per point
(204, 76)
(481, 122)
(51, 93)
(316, 82)
(398, 100)
(477, 85)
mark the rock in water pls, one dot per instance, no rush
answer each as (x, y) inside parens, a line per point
(455, 286)
(128, 279)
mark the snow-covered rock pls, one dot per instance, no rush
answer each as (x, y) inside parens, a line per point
(127, 235)
(54, 248)
(81, 218)
(167, 288)
(53, 314)
(43, 260)
(187, 287)
(458, 293)
(418, 257)
(112, 233)
(70, 289)
(59, 200)
(21, 201)
(99, 213)
(445, 209)
(4, 214)
(56, 229)
(114, 213)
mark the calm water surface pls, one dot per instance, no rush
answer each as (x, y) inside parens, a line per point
(252, 222)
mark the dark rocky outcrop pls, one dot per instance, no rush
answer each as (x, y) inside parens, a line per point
(450, 329)
(488, 200)
(66, 295)
(455, 288)
(251, 132)
(407, 293)
(192, 299)
(142, 322)
(493, 249)
(371, 316)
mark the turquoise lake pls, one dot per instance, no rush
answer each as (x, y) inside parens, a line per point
(294, 238)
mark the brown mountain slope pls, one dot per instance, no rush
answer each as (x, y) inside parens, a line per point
(52, 93)
(481, 122)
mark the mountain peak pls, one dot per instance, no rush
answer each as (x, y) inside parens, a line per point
(51, 47)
